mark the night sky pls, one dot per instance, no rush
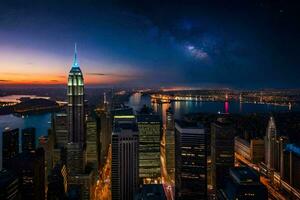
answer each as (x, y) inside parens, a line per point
(237, 44)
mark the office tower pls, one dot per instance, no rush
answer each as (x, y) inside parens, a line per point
(243, 183)
(222, 150)
(149, 148)
(76, 103)
(291, 165)
(191, 161)
(270, 134)
(124, 171)
(151, 192)
(74, 153)
(9, 185)
(84, 182)
(10, 146)
(170, 143)
(278, 145)
(75, 159)
(28, 139)
(105, 125)
(57, 183)
(60, 129)
(252, 151)
(91, 142)
(30, 169)
(58, 138)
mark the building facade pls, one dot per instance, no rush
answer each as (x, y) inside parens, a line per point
(124, 174)
(10, 146)
(191, 161)
(30, 169)
(28, 139)
(91, 142)
(76, 103)
(242, 183)
(170, 143)
(252, 151)
(222, 150)
(150, 132)
(9, 185)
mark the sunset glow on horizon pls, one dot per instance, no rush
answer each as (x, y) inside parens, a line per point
(31, 67)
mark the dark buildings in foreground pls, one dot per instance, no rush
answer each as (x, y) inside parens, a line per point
(191, 161)
(9, 185)
(28, 139)
(10, 146)
(57, 183)
(124, 167)
(222, 150)
(30, 169)
(244, 184)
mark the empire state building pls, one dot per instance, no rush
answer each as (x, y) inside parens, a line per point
(76, 103)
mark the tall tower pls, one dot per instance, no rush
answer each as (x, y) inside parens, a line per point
(76, 103)
(222, 150)
(270, 135)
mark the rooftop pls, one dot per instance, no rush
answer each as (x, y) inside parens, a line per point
(244, 175)
(148, 118)
(189, 124)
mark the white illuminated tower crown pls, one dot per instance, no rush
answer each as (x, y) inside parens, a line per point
(76, 103)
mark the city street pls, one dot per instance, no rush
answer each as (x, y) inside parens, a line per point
(102, 190)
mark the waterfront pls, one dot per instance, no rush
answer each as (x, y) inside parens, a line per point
(180, 108)
(42, 121)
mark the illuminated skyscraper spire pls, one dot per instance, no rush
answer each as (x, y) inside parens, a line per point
(75, 61)
(271, 133)
(76, 103)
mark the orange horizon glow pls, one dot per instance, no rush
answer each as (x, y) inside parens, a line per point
(31, 67)
(44, 79)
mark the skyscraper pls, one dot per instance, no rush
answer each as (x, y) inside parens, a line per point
(75, 159)
(243, 183)
(80, 176)
(270, 134)
(9, 185)
(76, 103)
(57, 186)
(60, 129)
(91, 142)
(104, 126)
(28, 139)
(170, 143)
(10, 146)
(222, 150)
(191, 161)
(124, 172)
(149, 148)
(30, 168)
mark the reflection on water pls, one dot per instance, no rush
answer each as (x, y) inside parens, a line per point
(226, 107)
(184, 107)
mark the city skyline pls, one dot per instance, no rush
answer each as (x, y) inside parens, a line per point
(143, 44)
(140, 100)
